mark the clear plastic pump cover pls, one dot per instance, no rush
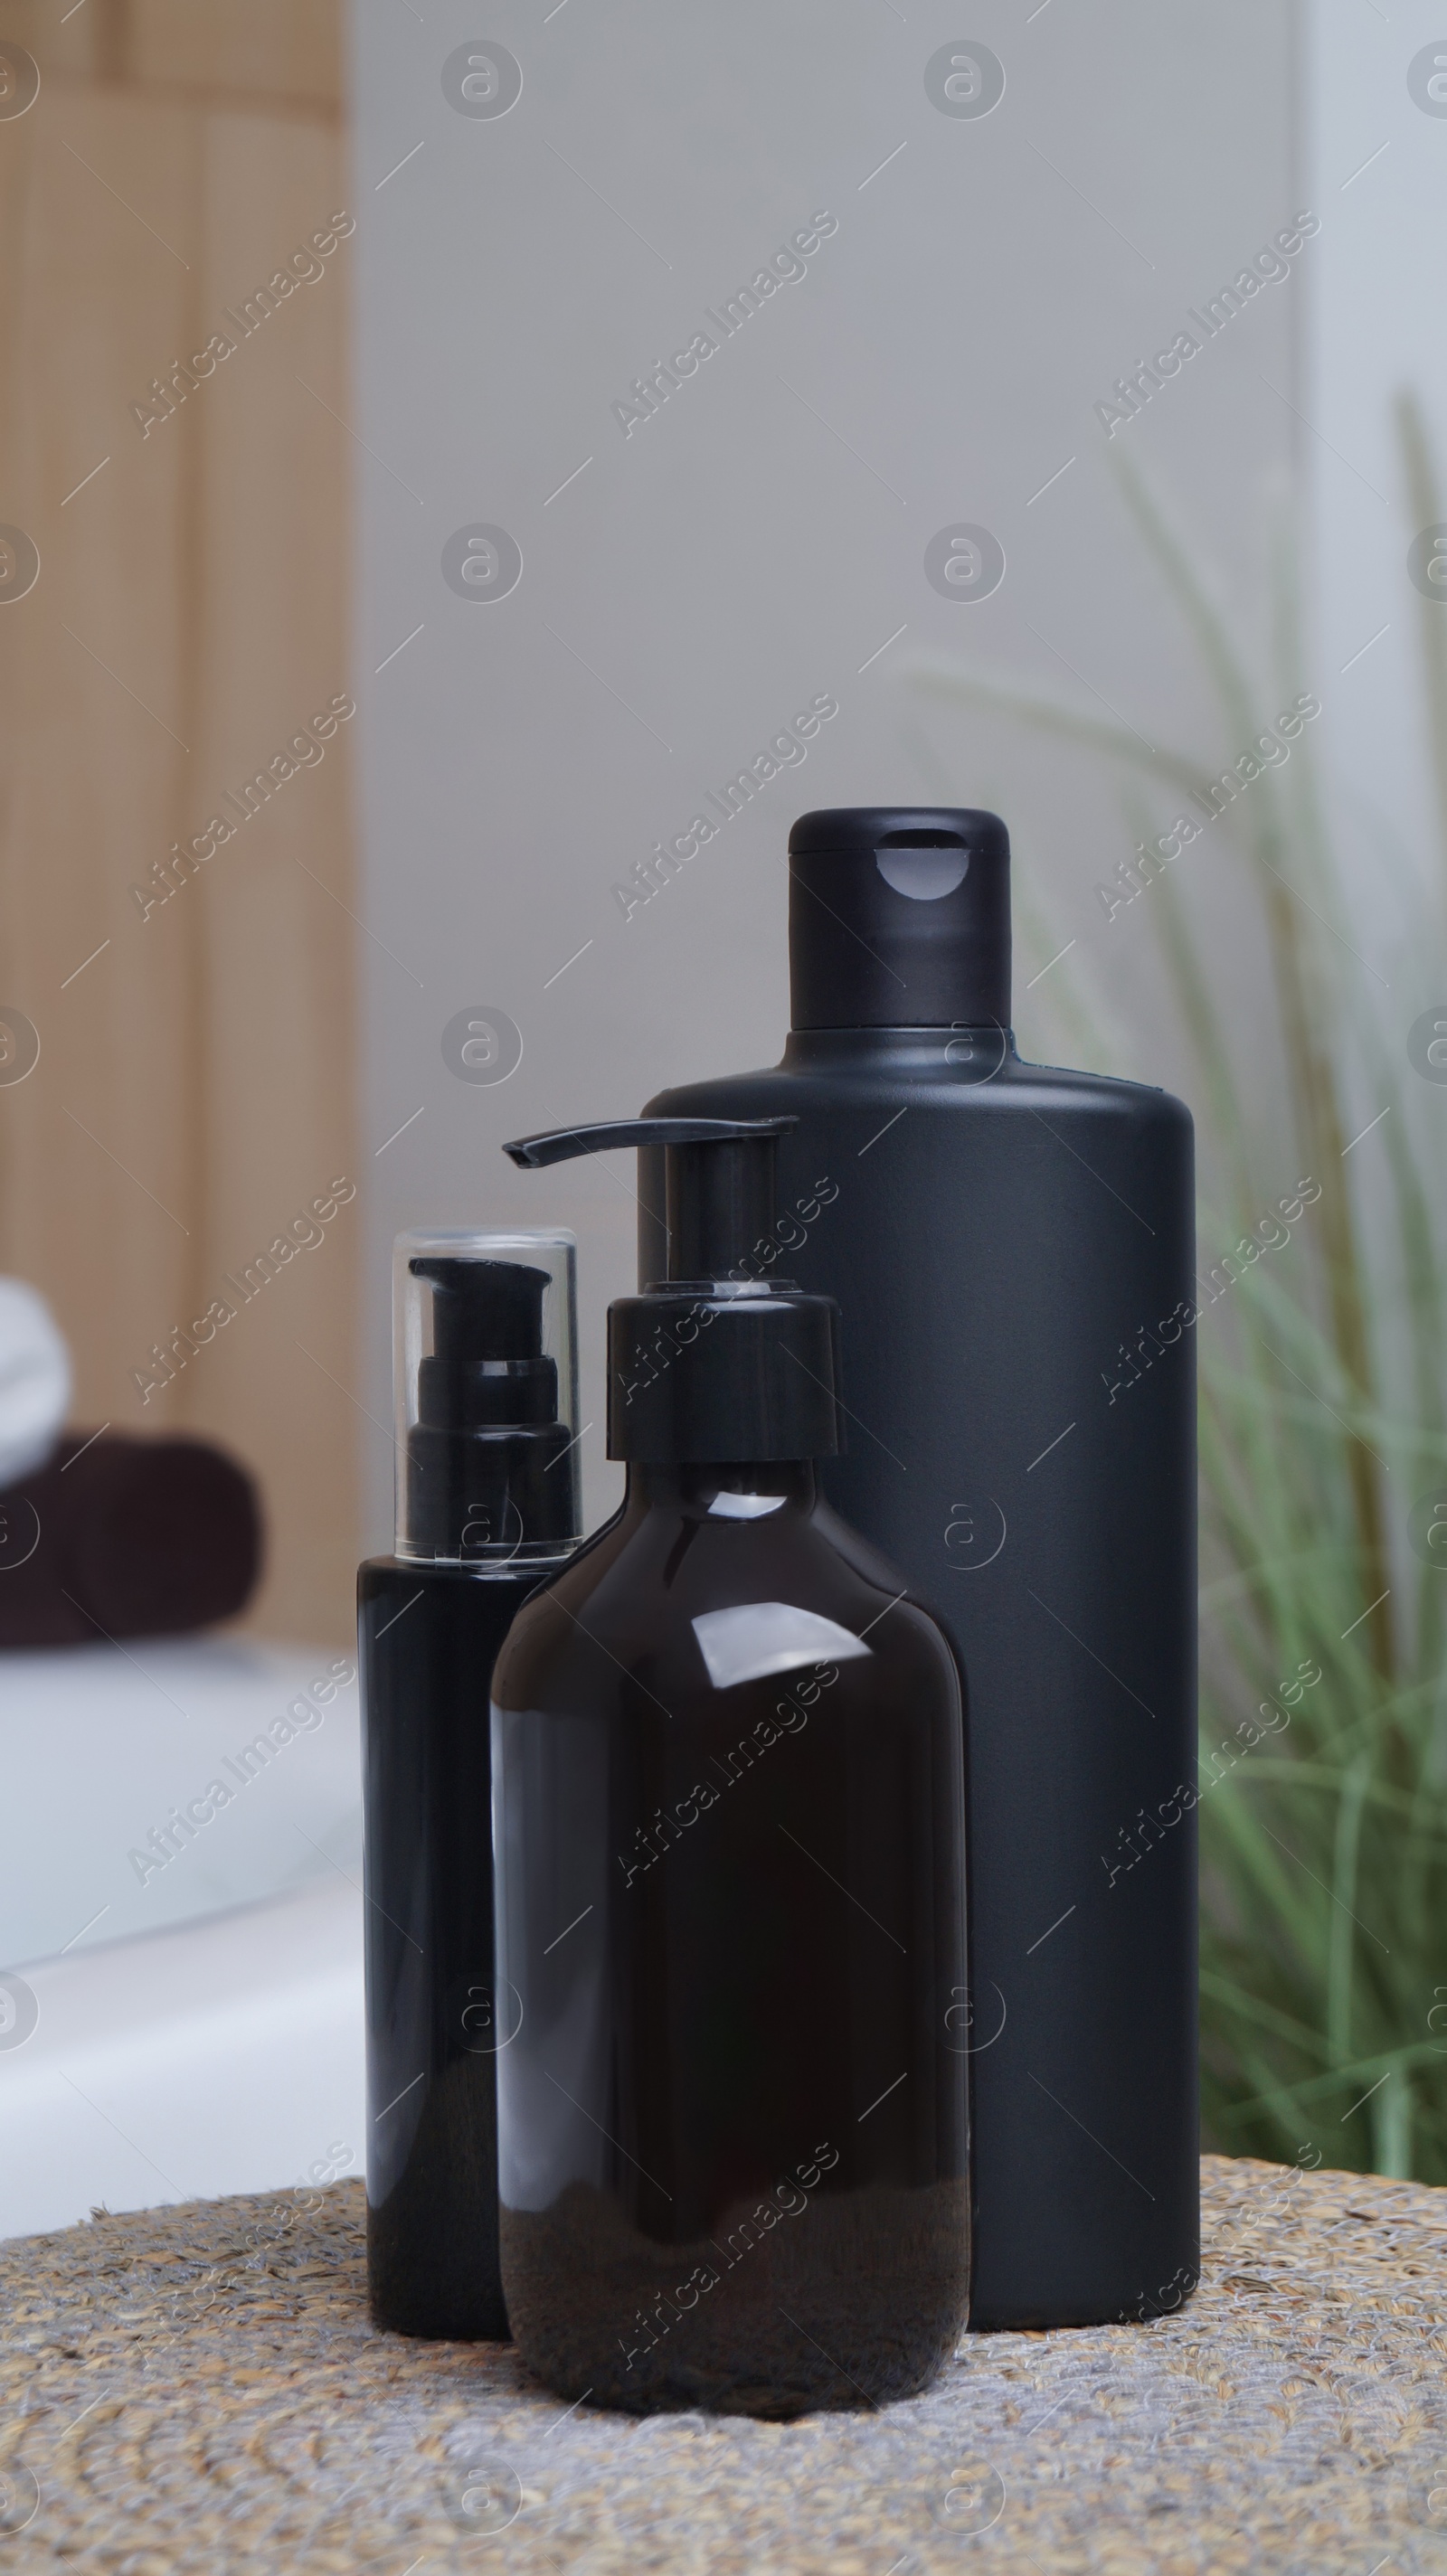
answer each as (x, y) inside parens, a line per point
(485, 1375)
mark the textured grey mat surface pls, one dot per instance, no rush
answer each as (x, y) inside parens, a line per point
(200, 2388)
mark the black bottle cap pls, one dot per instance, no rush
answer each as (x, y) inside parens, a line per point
(717, 1363)
(899, 917)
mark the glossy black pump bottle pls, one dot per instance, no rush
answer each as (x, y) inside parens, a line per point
(487, 1506)
(727, 1759)
(1013, 1249)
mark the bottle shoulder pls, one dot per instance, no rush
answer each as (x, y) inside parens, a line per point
(933, 1071)
(688, 1606)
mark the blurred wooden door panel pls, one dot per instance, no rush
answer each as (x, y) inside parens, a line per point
(194, 1091)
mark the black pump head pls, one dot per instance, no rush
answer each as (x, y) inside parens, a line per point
(717, 1363)
(486, 1438)
(899, 917)
(720, 1181)
(483, 1310)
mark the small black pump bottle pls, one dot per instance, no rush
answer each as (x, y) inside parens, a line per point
(487, 1504)
(728, 1783)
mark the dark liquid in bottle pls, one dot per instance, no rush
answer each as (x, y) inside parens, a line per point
(732, 2148)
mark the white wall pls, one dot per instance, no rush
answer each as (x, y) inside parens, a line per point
(761, 537)
(1378, 159)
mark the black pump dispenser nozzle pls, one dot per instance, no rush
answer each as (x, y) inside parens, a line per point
(718, 1362)
(487, 1431)
(487, 1363)
(720, 1202)
(489, 1310)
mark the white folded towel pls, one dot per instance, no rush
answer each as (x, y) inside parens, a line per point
(34, 1380)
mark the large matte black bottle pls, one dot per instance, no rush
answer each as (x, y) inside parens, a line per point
(487, 1505)
(728, 1773)
(1012, 1249)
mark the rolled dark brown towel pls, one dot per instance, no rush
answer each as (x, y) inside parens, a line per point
(126, 1538)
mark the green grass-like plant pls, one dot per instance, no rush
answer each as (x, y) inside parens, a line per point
(1323, 1399)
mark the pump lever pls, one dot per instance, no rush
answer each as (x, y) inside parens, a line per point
(533, 1153)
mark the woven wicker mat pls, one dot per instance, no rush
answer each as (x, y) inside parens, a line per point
(199, 2388)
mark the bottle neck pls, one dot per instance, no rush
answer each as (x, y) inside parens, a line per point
(780, 1483)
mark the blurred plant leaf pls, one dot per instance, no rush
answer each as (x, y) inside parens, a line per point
(1323, 1417)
